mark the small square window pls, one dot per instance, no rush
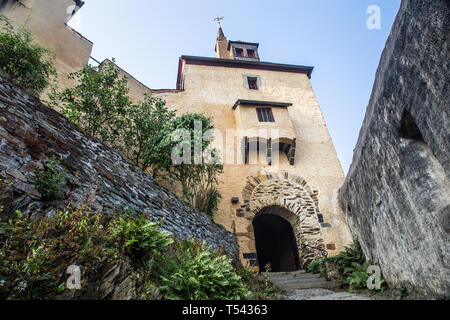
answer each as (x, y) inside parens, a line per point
(252, 83)
(239, 52)
(251, 53)
(265, 115)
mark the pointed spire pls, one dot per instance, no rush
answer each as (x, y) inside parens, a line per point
(220, 34)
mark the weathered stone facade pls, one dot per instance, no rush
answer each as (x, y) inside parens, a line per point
(98, 176)
(46, 19)
(397, 194)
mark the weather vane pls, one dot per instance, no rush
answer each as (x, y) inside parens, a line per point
(218, 19)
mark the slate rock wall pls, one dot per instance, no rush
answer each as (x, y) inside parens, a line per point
(396, 195)
(31, 133)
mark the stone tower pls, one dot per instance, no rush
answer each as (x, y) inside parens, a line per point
(281, 172)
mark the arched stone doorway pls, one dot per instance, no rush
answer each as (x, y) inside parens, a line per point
(291, 198)
(276, 244)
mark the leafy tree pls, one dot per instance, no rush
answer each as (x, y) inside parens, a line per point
(197, 177)
(98, 104)
(29, 64)
(145, 120)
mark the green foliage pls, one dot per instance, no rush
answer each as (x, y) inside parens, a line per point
(29, 64)
(356, 275)
(139, 236)
(98, 104)
(261, 288)
(208, 201)
(316, 266)
(351, 263)
(351, 254)
(34, 254)
(143, 132)
(404, 293)
(195, 272)
(144, 122)
(197, 177)
(51, 180)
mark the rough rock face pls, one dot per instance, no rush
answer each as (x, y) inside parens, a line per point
(99, 177)
(396, 195)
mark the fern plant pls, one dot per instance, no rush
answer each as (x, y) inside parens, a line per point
(195, 272)
(316, 266)
(357, 275)
(139, 236)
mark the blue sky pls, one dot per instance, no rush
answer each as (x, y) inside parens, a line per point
(147, 38)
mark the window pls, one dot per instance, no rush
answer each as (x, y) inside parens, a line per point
(251, 53)
(265, 115)
(239, 52)
(252, 83)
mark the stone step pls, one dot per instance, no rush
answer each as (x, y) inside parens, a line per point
(299, 281)
(295, 277)
(287, 273)
(308, 285)
(321, 294)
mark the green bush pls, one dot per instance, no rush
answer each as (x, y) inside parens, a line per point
(139, 236)
(195, 272)
(316, 266)
(144, 122)
(198, 179)
(98, 104)
(350, 255)
(351, 263)
(356, 275)
(51, 180)
(34, 254)
(29, 64)
(208, 202)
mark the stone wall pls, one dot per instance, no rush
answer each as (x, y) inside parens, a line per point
(31, 133)
(396, 195)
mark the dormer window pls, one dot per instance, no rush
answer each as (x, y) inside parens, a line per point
(239, 52)
(245, 51)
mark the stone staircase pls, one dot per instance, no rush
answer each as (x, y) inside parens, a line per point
(299, 285)
(298, 280)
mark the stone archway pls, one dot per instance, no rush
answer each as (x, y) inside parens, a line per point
(299, 205)
(275, 241)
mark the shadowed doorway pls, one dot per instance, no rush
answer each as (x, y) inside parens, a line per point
(275, 243)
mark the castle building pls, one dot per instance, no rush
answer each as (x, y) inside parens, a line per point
(47, 20)
(281, 172)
